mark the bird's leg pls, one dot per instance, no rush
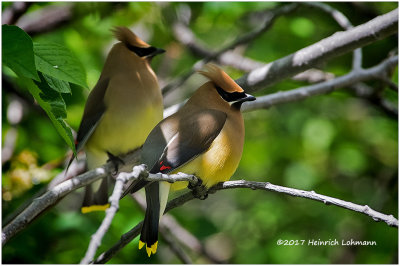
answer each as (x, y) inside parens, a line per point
(199, 190)
(116, 161)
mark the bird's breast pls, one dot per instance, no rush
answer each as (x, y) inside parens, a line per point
(133, 107)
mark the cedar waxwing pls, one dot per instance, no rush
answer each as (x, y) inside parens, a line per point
(121, 110)
(204, 138)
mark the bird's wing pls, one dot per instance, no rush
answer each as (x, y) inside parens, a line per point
(94, 110)
(92, 114)
(177, 140)
(191, 136)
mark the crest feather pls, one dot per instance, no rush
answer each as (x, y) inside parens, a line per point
(126, 36)
(220, 78)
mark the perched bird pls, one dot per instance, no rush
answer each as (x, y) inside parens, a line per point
(204, 138)
(121, 110)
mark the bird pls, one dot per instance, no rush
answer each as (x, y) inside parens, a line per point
(204, 138)
(121, 109)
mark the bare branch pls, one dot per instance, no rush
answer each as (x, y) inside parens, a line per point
(183, 34)
(51, 197)
(376, 216)
(121, 180)
(353, 77)
(45, 19)
(365, 209)
(176, 248)
(342, 20)
(369, 94)
(333, 46)
(11, 14)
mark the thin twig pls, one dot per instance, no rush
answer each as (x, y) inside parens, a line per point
(186, 36)
(96, 238)
(365, 209)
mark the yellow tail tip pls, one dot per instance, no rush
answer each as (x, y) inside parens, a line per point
(141, 244)
(94, 208)
(154, 248)
(149, 250)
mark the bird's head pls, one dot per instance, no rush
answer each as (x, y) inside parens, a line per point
(226, 87)
(135, 44)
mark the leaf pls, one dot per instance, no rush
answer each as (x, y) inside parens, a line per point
(57, 84)
(57, 61)
(53, 104)
(18, 52)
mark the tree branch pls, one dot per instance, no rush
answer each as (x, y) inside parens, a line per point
(54, 194)
(11, 14)
(50, 198)
(365, 209)
(351, 78)
(333, 46)
(184, 35)
(46, 19)
(122, 179)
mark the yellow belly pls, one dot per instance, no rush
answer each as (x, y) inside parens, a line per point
(119, 133)
(216, 165)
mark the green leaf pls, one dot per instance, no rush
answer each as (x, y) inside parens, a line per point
(57, 84)
(57, 61)
(18, 52)
(53, 104)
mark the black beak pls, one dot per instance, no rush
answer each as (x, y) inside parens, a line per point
(248, 98)
(156, 52)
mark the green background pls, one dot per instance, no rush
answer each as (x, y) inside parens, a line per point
(337, 145)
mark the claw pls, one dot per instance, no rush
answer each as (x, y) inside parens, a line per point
(116, 161)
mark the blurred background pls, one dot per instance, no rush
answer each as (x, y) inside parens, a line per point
(337, 145)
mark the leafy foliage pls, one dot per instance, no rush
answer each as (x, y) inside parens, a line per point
(18, 51)
(51, 67)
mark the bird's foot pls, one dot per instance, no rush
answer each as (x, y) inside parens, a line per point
(199, 190)
(116, 161)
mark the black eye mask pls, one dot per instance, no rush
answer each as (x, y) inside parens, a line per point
(145, 52)
(230, 96)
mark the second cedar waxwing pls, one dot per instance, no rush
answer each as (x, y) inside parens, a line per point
(121, 110)
(204, 138)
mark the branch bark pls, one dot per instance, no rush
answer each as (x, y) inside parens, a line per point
(122, 179)
(53, 195)
(328, 48)
(353, 77)
(365, 209)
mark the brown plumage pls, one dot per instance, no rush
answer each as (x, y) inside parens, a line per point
(122, 108)
(126, 36)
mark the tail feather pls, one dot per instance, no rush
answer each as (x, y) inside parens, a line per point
(156, 198)
(149, 233)
(96, 201)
